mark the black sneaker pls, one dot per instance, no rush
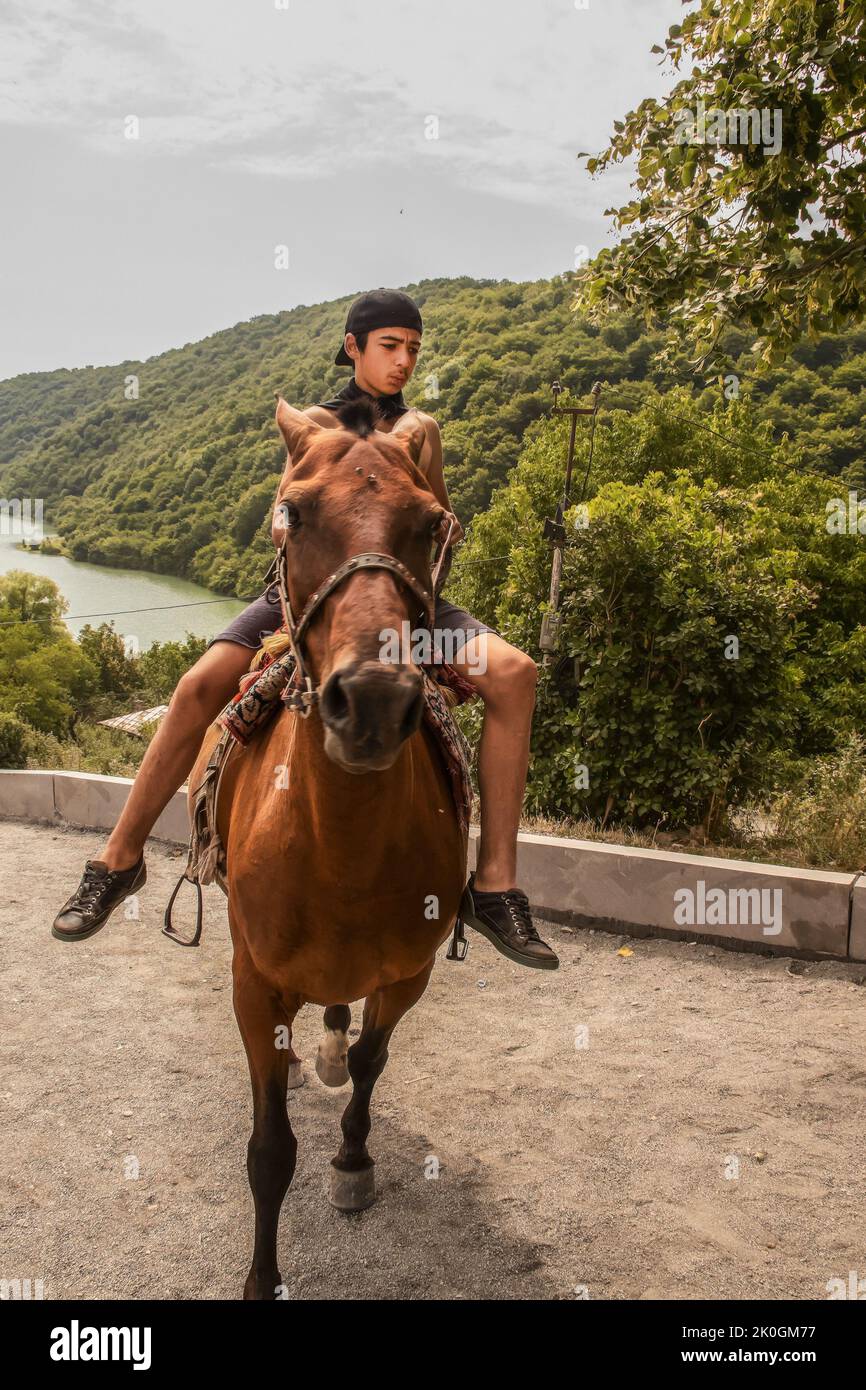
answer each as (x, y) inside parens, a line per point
(100, 891)
(506, 921)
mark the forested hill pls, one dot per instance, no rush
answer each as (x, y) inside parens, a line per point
(181, 479)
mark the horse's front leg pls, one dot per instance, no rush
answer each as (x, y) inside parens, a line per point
(352, 1183)
(265, 1022)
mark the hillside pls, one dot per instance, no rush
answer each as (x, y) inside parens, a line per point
(180, 480)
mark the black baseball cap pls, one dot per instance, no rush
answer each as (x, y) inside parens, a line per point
(378, 309)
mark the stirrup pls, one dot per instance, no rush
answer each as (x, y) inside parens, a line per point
(458, 940)
(169, 929)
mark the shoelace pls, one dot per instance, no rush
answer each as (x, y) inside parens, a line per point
(518, 906)
(88, 890)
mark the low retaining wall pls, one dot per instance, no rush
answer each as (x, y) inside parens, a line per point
(84, 799)
(636, 892)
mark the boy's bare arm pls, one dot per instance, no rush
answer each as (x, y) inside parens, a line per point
(435, 472)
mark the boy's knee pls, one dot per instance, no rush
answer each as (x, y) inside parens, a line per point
(202, 687)
(515, 674)
(523, 671)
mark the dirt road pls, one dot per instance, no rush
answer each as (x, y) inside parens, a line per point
(562, 1167)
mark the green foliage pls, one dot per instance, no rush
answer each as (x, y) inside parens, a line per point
(692, 539)
(181, 480)
(162, 665)
(117, 672)
(44, 674)
(13, 739)
(729, 223)
(824, 817)
(30, 598)
(51, 685)
(93, 749)
(83, 744)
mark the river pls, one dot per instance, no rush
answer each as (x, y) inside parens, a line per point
(144, 607)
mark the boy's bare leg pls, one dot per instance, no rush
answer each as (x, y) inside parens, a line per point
(507, 687)
(199, 697)
(494, 903)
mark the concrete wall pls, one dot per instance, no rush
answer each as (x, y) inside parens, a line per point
(638, 892)
(82, 798)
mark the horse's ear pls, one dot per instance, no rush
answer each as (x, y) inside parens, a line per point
(411, 432)
(296, 428)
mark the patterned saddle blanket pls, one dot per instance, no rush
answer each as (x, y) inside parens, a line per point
(259, 697)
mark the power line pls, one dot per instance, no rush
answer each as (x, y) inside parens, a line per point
(485, 560)
(740, 448)
(167, 607)
(119, 612)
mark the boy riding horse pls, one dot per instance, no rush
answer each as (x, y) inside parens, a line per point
(382, 339)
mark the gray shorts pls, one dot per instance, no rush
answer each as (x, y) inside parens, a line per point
(264, 615)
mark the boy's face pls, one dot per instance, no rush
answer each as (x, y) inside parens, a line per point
(388, 360)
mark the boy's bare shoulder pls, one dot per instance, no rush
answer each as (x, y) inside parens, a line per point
(330, 421)
(428, 419)
(428, 422)
(322, 416)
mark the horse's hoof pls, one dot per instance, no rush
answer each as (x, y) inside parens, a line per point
(352, 1191)
(331, 1073)
(296, 1076)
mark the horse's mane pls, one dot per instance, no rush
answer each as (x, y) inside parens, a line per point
(359, 416)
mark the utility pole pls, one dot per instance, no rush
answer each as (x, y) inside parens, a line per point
(554, 529)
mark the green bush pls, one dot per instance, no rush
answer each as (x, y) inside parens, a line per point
(94, 749)
(704, 610)
(13, 738)
(161, 667)
(824, 817)
(189, 457)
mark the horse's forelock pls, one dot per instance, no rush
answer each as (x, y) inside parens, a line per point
(372, 453)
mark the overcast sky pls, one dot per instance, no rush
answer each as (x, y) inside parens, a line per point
(304, 126)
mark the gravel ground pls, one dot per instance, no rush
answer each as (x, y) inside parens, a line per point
(564, 1170)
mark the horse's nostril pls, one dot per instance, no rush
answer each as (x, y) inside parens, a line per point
(371, 708)
(334, 704)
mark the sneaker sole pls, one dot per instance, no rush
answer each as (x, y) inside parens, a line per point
(140, 880)
(533, 962)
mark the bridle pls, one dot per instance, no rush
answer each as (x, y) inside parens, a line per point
(302, 699)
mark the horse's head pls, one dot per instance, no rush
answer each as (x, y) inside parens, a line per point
(350, 491)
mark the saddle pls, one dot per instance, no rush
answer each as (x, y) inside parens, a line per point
(270, 682)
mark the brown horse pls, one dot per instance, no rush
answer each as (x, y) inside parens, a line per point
(345, 858)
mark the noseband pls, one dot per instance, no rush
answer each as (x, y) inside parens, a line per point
(302, 700)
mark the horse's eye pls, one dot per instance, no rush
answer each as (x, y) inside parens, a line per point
(291, 514)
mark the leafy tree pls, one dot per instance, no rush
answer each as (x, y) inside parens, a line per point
(45, 683)
(753, 219)
(251, 510)
(13, 739)
(29, 598)
(162, 665)
(490, 351)
(45, 677)
(104, 646)
(697, 534)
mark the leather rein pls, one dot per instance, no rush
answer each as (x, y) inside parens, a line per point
(302, 699)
